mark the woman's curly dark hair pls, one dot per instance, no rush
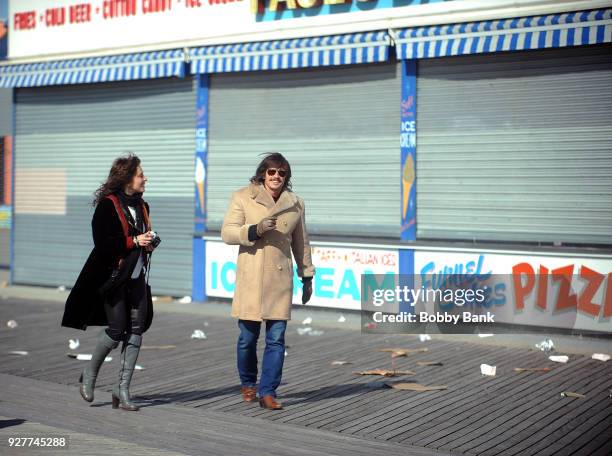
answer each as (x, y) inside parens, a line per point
(121, 173)
(272, 160)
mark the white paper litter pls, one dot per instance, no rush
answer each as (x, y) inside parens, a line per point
(73, 344)
(302, 331)
(138, 367)
(341, 319)
(307, 321)
(18, 352)
(87, 357)
(154, 298)
(185, 300)
(198, 334)
(486, 369)
(546, 345)
(12, 324)
(559, 358)
(601, 356)
(424, 337)
(485, 335)
(286, 354)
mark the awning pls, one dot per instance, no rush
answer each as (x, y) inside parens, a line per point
(123, 67)
(534, 32)
(295, 53)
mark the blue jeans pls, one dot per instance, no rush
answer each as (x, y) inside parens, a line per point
(273, 359)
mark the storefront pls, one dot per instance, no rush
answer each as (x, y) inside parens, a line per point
(487, 128)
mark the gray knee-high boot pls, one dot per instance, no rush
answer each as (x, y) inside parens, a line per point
(90, 373)
(129, 355)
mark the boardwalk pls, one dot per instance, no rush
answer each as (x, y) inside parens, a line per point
(192, 403)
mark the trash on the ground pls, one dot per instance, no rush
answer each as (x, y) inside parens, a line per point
(185, 300)
(73, 344)
(12, 324)
(340, 363)
(302, 331)
(341, 319)
(486, 369)
(61, 288)
(429, 363)
(157, 347)
(316, 332)
(162, 299)
(395, 352)
(601, 356)
(307, 321)
(424, 337)
(198, 334)
(18, 352)
(86, 357)
(286, 353)
(416, 387)
(546, 345)
(572, 394)
(532, 369)
(138, 367)
(559, 358)
(486, 335)
(384, 372)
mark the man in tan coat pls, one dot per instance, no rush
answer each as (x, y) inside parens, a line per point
(267, 220)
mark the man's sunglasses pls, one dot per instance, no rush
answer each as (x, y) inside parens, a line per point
(272, 171)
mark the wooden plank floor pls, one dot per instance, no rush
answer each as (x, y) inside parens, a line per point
(512, 413)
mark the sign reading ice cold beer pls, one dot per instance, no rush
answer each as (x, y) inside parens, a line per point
(67, 26)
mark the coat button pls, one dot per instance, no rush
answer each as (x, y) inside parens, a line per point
(280, 268)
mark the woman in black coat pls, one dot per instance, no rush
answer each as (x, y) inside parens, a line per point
(111, 289)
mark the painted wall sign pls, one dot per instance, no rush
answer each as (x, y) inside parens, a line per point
(337, 283)
(531, 290)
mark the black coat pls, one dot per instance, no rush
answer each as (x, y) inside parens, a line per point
(85, 304)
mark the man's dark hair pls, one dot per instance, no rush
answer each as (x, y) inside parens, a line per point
(272, 160)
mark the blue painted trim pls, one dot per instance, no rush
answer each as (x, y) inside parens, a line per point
(13, 166)
(198, 292)
(406, 271)
(408, 136)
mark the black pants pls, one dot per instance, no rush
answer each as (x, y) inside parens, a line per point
(126, 309)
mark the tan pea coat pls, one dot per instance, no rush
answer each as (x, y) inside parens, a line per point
(264, 276)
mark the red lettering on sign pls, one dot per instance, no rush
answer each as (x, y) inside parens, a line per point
(520, 291)
(156, 6)
(118, 8)
(24, 21)
(565, 299)
(608, 301)
(80, 13)
(55, 17)
(594, 280)
(542, 287)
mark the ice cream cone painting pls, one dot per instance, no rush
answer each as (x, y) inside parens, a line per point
(408, 175)
(200, 178)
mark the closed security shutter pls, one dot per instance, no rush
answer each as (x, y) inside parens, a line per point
(67, 138)
(339, 129)
(516, 147)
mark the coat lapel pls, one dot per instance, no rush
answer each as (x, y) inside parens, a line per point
(261, 196)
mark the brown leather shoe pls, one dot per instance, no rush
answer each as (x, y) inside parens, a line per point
(269, 402)
(249, 393)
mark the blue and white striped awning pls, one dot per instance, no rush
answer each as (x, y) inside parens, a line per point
(123, 67)
(534, 32)
(295, 53)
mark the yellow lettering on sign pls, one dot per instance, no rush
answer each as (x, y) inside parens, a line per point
(337, 2)
(290, 4)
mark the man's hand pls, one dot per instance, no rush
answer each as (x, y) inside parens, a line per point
(266, 224)
(306, 290)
